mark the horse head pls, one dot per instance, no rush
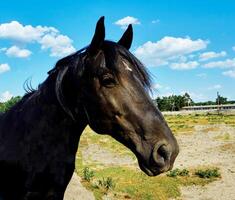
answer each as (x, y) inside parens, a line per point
(113, 93)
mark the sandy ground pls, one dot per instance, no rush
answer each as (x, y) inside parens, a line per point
(210, 145)
(210, 148)
(94, 153)
(75, 190)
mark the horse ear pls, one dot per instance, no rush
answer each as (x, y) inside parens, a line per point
(127, 38)
(98, 37)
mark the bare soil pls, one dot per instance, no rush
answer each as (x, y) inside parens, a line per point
(208, 145)
(209, 148)
(75, 190)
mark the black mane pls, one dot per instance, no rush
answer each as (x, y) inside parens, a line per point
(113, 49)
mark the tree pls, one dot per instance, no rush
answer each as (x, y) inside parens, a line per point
(221, 100)
(187, 99)
(7, 105)
(173, 102)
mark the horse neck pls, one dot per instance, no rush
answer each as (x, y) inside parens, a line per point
(53, 111)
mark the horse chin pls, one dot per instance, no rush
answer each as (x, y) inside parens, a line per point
(148, 171)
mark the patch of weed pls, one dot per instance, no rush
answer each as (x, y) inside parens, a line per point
(88, 174)
(208, 173)
(177, 172)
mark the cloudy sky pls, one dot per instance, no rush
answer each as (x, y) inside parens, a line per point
(188, 46)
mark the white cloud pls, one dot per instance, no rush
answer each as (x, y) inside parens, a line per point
(184, 66)
(48, 37)
(60, 45)
(5, 96)
(233, 48)
(16, 31)
(215, 87)
(4, 68)
(168, 48)
(230, 73)
(156, 86)
(228, 63)
(15, 51)
(156, 21)
(124, 22)
(211, 54)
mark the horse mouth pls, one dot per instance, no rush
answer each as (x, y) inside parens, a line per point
(154, 171)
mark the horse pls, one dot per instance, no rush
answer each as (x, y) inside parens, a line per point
(102, 85)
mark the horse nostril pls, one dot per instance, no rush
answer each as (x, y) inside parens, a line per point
(161, 155)
(164, 151)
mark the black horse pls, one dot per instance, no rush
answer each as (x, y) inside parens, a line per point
(103, 86)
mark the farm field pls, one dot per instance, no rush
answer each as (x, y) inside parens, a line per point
(204, 169)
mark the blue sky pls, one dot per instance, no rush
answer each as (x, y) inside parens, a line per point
(189, 46)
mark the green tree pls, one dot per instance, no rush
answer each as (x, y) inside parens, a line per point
(173, 102)
(187, 99)
(221, 100)
(7, 105)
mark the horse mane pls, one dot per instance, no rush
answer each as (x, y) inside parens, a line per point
(112, 49)
(69, 60)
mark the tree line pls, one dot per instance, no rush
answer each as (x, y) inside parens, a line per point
(177, 102)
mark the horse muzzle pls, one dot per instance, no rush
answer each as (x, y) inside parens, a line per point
(161, 159)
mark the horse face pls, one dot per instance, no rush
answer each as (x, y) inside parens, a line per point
(117, 103)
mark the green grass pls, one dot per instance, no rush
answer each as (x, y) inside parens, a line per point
(131, 183)
(177, 172)
(208, 173)
(183, 124)
(87, 174)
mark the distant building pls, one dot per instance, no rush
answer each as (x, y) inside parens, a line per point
(210, 107)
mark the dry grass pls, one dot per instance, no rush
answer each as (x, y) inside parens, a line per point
(224, 137)
(184, 124)
(230, 147)
(131, 183)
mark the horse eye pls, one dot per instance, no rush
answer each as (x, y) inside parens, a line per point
(108, 81)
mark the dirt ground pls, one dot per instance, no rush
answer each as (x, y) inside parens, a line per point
(208, 145)
(75, 190)
(215, 148)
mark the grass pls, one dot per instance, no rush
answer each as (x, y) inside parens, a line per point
(131, 183)
(87, 174)
(106, 183)
(208, 173)
(229, 147)
(224, 137)
(128, 183)
(184, 124)
(177, 172)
